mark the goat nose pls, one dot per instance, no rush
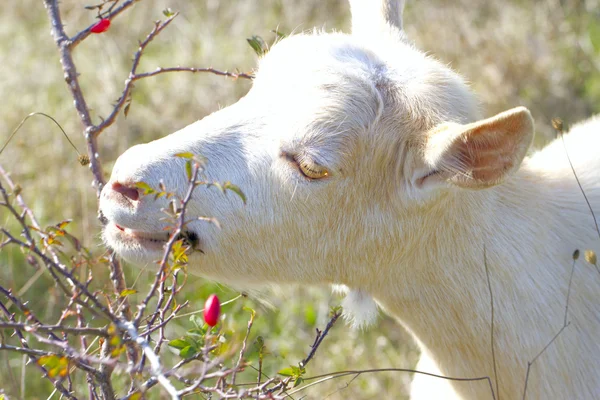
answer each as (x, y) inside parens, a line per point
(129, 192)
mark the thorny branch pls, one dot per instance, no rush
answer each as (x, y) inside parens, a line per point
(65, 46)
(33, 357)
(158, 28)
(53, 329)
(120, 321)
(71, 78)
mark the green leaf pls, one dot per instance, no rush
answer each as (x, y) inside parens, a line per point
(258, 45)
(217, 185)
(259, 344)
(167, 12)
(235, 189)
(335, 310)
(298, 381)
(126, 108)
(197, 332)
(145, 187)
(310, 315)
(188, 170)
(188, 351)
(251, 311)
(286, 372)
(279, 34)
(178, 344)
(198, 321)
(186, 155)
(75, 242)
(48, 362)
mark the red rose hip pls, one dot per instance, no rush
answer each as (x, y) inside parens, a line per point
(212, 310)
(101, 26)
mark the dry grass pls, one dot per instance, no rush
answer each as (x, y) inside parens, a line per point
(543, 55)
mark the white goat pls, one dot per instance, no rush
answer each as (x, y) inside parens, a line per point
(365, 164)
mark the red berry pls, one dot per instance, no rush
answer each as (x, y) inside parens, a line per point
(101, 26)
(212, 309)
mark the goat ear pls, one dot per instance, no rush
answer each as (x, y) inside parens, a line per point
(371, 16)
(481, 154)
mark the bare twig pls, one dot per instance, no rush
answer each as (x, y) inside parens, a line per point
(24, 345)
(54, 268)
(319, 339)
(33, 114)
(54, 328)
(26, 350)
(338, 374)
(158, 27)
(169, 246)
(282, 385)
(89, 377)
(559, 127)
(211, 70)
(566, 323)
(236, 368)
(487, 274)
(117, 277)
(113, 12)
(154, 360)
(71, 77)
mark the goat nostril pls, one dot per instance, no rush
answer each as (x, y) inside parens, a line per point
(129, 192)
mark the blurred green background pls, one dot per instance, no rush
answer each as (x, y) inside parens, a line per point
(544, 55)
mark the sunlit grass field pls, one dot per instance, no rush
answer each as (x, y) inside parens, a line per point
(544, 55)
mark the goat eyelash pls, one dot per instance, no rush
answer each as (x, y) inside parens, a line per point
(308, 168)
(312, 170)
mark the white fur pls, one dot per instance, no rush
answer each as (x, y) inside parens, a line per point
(385, 222)
(359, 308)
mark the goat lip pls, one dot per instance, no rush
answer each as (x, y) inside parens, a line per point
(128, 234)
(152, 242)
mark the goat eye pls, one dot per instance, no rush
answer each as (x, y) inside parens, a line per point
(312, 170)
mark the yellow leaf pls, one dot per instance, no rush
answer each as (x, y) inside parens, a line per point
(186, 154)
(61, 225)
(115, 353)
(127, 292)
(112, 329)
(53, 372)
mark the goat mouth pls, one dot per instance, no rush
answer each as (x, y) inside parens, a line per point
(149, 240)
(157, 237)
(132, 238)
